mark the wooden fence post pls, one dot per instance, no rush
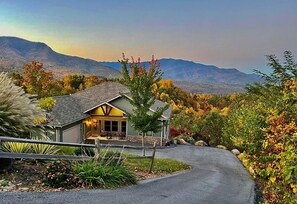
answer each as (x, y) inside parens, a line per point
(97, 155)
(153, 158)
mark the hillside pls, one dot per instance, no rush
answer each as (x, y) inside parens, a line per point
(14, 52)
(212, 88)
(183, 70)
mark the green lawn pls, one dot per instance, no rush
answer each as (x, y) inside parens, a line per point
(166, 166)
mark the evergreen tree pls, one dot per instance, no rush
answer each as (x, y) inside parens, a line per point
(140, 83)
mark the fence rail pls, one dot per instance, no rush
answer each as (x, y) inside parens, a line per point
(97, 146)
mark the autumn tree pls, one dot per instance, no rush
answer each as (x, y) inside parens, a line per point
(35, 79)
(73, 83)
(91, 80)
(140, 83)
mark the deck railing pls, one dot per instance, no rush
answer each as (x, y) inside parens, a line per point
(97, 146)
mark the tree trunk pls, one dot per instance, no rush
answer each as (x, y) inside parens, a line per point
(143, 150)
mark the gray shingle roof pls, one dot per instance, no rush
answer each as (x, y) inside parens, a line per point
(71, 108)
(96, 95)
(66, 111)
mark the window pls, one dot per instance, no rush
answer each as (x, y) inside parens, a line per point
(123, 126)
(114, 126)
(107, 125)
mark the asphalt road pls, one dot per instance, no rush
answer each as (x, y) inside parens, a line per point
(216, 177)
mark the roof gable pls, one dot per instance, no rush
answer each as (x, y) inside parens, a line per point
(96, 95)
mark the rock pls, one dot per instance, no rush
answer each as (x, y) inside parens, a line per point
(200, 143)
(235, 152)
(221, 147)
(181, 141)
(24, 189)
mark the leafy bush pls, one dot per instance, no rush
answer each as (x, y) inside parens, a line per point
(243, 128)
(84, 151)
(60, 174)
(264, 126)
(103, 176)
(210, 128)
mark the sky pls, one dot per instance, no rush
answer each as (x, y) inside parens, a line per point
(226, 33)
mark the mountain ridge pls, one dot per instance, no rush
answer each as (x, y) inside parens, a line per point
(14, 52)
(185, 70)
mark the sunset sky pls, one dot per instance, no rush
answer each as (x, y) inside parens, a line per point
(226, 33)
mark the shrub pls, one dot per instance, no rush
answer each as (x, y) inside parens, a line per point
(16, 147)
(96, 175)
(243, 128)
(43, 148)
(210, 128)
(17, 111)
(84, 151)
(66, 150)
(111, 158)
(60, 174)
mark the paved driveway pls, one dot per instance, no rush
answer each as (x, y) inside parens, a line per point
(217, 177)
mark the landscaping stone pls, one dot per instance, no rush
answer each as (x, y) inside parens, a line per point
(235, 152)
(221, 147)
(200, 143)
(24, 189)
(181, 141)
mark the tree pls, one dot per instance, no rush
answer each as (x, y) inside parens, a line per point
(278, 77)
(17, 111)
(91, 80)
(35, 79)
(140, 83)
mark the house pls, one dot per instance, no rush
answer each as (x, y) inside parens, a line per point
(100, 111)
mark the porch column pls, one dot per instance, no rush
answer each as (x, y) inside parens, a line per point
(162, 133)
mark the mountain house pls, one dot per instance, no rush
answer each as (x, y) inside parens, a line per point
(100, 112)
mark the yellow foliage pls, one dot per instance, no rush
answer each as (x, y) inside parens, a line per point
(224, 111)
(39, 120)
(272, 179)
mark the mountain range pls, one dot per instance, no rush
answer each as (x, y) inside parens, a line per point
(189, 71)
(14, 52)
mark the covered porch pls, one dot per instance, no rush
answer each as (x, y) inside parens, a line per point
(105, 122)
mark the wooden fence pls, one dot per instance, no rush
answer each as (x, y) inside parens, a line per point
(97, 146)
